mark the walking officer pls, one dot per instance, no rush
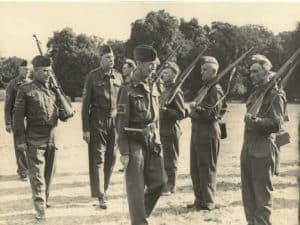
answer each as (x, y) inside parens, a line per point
(11, 93)
(139, 139)
(38, 103)
(99, 108)
(259, 148)
(205, 140)
(170, 132)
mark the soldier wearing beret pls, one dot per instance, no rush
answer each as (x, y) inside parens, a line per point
(259, 148)
(99, 108)
(170, 132)
(205, 140)
(128, 69)
(38, 103)
(11, 93)
(139, 139)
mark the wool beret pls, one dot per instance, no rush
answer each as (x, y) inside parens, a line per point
(41, 61)
(145, 53)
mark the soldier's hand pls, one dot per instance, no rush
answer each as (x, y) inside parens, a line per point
(22, 147)
(86, 137)
(8, 128)
(124, 160)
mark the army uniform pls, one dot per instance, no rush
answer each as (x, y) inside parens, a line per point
(258, 156)
(99, 109)
(40, 106)
(205, 144)
(138, 108)
(170, 133)
(11, 93)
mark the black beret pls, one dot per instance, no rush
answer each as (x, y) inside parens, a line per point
(41, 61)
(105, 49)
(23, 63)
(144, 53)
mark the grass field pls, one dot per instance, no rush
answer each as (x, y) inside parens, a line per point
(70, 195)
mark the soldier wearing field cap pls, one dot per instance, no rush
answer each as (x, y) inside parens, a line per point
(205, 140)
(11, 93)
(259, 148)
(99, 108)
(170, 132)
(37, 102)
(139, 139)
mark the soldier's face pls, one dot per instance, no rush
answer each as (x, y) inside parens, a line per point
(126, 70)
(258, 74)
(168, 76)
(147, 68)
(107, 60)
(24, 71)
(208, 71)
(42, 74)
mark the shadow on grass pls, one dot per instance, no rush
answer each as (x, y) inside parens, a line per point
(171, 210)
(284, 185)
(278, 203)
(9, 177)
(282, 203)
(58, 201)
(221, 186)
(290, 173)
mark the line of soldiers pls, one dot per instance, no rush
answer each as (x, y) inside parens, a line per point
(123, 112)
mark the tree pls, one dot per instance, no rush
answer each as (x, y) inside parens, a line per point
(159, 29)
(9, 68)
(73, 57)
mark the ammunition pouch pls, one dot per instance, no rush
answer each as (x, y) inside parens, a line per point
(223, 129)
(282, 138)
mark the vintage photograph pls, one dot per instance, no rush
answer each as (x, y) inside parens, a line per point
(159, 113)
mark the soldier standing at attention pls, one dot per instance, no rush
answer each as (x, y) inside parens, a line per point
(259, 148)
(139, 139)
(11, 93)
(99, 108)
(170, 131)
(205, 140)
(38, 103)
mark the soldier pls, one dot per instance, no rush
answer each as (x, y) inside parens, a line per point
(139, 140)
(205, 140)
(170, 131)
(259, 148)
(11, 93)
(128, 69)
(99, 109)
(38, 103)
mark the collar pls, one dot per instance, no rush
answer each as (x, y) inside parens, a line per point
(110, 73)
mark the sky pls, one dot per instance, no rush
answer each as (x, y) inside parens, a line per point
(19, 21)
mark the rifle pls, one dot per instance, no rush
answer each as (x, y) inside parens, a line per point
(175, 88)
(283, 82)
(280, 73)
(66, 110)
(205, 88)
(158, 72)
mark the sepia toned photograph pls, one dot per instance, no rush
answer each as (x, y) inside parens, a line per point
(150, 113)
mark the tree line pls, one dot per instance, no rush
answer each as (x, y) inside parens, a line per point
(74, 55)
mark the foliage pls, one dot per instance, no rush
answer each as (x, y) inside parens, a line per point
(73, 57)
